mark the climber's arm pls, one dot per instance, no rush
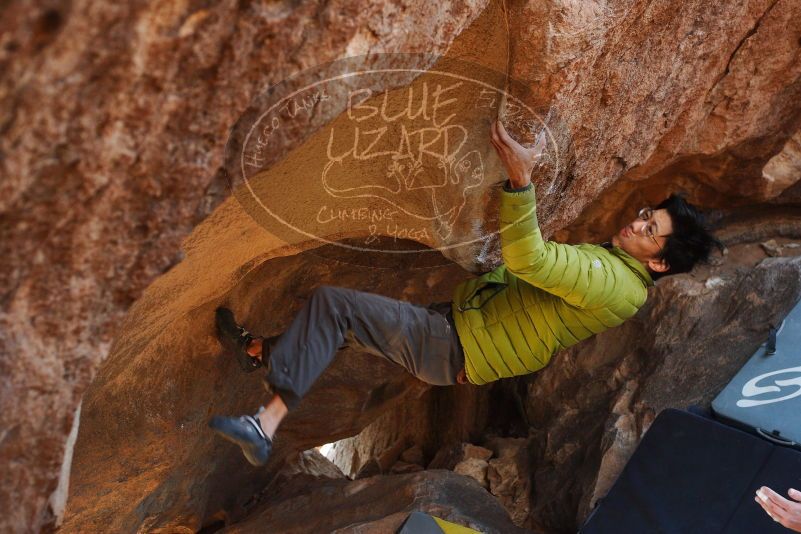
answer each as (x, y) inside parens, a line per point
(558, 268)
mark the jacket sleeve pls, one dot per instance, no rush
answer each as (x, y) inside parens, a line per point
(563, 270)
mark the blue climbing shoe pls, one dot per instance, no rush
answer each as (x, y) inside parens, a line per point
(246, 432)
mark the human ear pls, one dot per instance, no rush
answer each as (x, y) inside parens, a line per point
(658, 265)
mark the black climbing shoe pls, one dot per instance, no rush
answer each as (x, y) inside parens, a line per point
(246, 432)
(235, 339)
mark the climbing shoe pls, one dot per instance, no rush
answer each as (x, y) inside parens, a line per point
(246, 432)
(235, 339)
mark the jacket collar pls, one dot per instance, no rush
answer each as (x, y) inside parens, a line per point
(631, 262)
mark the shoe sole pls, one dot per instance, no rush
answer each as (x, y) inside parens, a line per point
(221, 426)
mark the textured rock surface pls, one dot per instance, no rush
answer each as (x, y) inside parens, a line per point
(313, 463)
(166, 431)
(440, 416)
(474, 468)
(113, 120)
(508, 476)
(783, 169)
(697, 97)
(378, 505)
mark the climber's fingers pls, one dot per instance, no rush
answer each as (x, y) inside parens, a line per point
(539, 145)
(502, 139)
(511, 146)
(494, 137)
(504, 135)
(496, 141)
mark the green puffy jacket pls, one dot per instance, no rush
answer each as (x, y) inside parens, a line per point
(546, 296)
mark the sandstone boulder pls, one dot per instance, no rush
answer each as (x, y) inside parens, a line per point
(509, 476)
(475, 468)
(378, 505)
(113, 123)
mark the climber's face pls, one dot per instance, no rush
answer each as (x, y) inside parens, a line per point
(644, 237)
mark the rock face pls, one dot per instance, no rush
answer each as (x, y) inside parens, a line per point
(783, 169)
(166, 430)
(440, 417)
(378, 505)
(113, 123)
(118, 237)
(508, 476)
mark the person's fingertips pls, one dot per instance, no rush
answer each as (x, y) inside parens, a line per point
(505, 135)
(794, 493)
(761, 494)
(770, 494)
(501, 132)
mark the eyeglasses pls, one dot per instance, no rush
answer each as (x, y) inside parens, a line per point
(649, 229)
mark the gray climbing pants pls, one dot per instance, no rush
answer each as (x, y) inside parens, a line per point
(422, 340)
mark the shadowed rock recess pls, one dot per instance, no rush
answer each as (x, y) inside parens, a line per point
(119, 236)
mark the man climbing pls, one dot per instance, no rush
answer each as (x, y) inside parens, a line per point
(544, 297)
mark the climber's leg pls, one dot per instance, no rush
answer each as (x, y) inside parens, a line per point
(419, 339)
(255, 347)
(259, 345)
(235, 339)
(272, 415)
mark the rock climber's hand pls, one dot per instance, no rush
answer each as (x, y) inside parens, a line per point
(517, 159)
(785, 511)
(461, 378)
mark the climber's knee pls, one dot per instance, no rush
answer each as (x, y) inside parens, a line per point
(329, 293)
(287, 397)
(323, 290)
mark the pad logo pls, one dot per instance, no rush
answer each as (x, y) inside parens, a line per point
(752, 388)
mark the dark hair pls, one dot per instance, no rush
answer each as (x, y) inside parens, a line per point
(691, 241)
